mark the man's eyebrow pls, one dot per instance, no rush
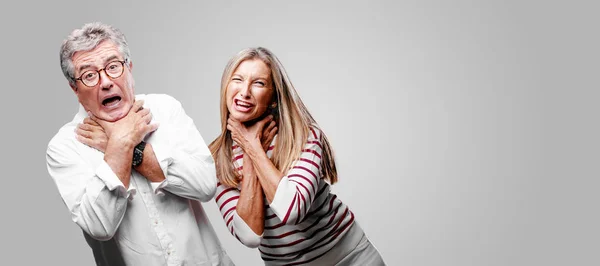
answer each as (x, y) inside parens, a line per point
(82, 67)
(106, 61)
(112, 58)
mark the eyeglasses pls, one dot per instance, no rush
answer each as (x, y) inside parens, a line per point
(113, 69)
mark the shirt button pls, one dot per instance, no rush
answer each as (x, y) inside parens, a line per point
(155, 221)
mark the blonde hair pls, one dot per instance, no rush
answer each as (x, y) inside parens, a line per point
(293, 123)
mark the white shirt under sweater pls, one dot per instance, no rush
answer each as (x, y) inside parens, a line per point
(304, 222)
(148, 223)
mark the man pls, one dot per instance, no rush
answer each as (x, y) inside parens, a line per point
(131, 185)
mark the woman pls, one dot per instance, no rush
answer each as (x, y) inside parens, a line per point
(274, 191)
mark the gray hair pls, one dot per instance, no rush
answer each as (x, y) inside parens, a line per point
(86, 39)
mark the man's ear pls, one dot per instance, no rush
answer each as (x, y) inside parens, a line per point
(73, 87)
(130, 66)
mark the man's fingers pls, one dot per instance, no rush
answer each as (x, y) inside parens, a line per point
(146, 115)
(84, 140)
(85, 127)
(152, 127)
(148, 119)
(83, 133)
(137, 105)
(94, 119)
(92, 116)
(144, 112)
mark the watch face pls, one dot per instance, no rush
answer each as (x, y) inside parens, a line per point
(137, 157)
(138, 154)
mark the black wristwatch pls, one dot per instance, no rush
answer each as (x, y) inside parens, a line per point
(138, 154)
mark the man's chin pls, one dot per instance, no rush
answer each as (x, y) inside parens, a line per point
(112, 117)
(116, 114)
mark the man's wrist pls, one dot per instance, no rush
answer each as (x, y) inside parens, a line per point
(138, 154)
(126, 143)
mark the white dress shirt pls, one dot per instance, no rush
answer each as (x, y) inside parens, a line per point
(148, 223)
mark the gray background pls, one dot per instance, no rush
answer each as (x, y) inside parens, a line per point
(465, 131)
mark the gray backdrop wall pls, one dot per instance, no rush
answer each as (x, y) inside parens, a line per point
(466, 132)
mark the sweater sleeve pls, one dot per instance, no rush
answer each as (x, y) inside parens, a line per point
(227, 199)
(297, 189)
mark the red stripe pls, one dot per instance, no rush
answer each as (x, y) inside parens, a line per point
(298, 191)
(340, 221)
(227, 201)
(310, 162)
(287, 215)
(228, 222)
(228, 211)
(238, 157)
(223, 193)
(314, 133)
(307, 170)
(347, 225)
(314, 142)
(313, 152)
(302, 177)
(234, 147)
(320, 207)
(271, 148)
(332, 235)
(298, 206)
(325, 227)
(274, 226)
(307, 228)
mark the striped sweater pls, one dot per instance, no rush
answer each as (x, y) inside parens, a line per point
(303, 221)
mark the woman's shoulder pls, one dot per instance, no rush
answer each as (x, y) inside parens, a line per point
(314, 132)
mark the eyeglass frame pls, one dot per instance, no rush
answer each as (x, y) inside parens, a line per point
(123, 63)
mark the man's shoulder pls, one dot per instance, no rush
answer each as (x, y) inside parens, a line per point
(64, 138)
(158, 99)
(162, 106)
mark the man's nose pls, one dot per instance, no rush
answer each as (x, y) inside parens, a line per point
(106, 82)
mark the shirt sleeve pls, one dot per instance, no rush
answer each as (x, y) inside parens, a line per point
(185, 159)
(226, 200)
(297, 190)
(95, 196)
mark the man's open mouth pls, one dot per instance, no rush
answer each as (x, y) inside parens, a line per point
(110, 101)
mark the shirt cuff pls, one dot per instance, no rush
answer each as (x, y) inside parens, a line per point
(158, 187)
(163, 156)
(112, 182)
(245, 233)
(283, 197)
